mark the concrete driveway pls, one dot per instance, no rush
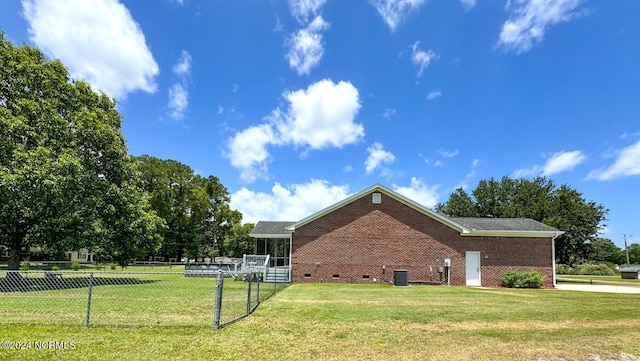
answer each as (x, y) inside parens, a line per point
(597, 288)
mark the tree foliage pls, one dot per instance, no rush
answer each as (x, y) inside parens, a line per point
(66, 181)
(195, 209)
(238, 242)
(604, 250)
(540, 199)
(634, 253)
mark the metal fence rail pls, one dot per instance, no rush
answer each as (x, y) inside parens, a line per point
(104, 298)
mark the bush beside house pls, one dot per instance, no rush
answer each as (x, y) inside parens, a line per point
(526, 279)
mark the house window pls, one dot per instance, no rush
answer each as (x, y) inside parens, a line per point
(365, 277)
(336, 276)
(307, 275)
(376, 198)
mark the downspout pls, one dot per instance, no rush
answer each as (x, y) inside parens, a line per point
(290, 253)
(553, 259)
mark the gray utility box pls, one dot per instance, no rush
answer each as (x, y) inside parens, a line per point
(400, 277)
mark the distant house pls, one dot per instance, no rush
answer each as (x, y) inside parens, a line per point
(630, 271)
(82, 255)
(368, 236)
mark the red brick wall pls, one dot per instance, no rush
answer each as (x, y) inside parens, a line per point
(360, 238)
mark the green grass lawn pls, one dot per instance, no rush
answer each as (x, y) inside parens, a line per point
(369, 322)
(600, 280)
(158, 299)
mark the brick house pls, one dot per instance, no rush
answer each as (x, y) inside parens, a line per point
(368, 236)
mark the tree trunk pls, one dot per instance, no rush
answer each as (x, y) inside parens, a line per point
(15, 254)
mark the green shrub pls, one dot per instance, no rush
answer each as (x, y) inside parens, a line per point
(55, 268)
(508, 278)
(600, 269)
(563, 269)
(99, 266)
(75, 266)
(25, 266)
(526, 279)
(113, 266)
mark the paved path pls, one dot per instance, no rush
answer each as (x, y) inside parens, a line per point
(597, 288)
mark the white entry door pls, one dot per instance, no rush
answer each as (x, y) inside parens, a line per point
(473, 268)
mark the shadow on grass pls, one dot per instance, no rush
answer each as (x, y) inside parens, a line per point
(15, 282)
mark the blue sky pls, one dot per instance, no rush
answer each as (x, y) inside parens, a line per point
(297, 104)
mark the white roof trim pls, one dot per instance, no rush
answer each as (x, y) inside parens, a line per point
(497, 233)
(464, 231)
(388, 192)
(279, 235)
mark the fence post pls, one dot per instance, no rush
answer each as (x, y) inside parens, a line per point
(249, 293)
(218, 305)
(88, 317)
(257, 290)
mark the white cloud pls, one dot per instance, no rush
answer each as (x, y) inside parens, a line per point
(388, 113)
(395, 11)
(421, 58)
(563, 161)
(556, 163)
(318, 117)
(434, 94)
(627, 163)
(448, 153)
(248, 151)
(377, 157)
(526, 172)
(529, 20)
(98, 41)
(306, 48)
(302, 9)
(419, 192)
(178, 94)
(468, 4)
(291, 203)
(298, 201)
(182, 68)
(630, 135)
(472, 174)
(321, 116)
(178, 101)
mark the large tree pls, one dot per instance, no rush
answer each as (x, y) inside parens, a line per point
(238, 241)
(634, 254)
(66, 181)
(603, 249)
(195, 209)
(541, 199)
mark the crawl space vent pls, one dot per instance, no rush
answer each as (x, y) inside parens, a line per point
(376, 198)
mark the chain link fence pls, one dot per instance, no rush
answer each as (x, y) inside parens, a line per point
(146, 299)
(237, 299)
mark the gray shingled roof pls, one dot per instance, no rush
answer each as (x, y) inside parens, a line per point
(270, 228)
(630, 268)
(503, 224)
